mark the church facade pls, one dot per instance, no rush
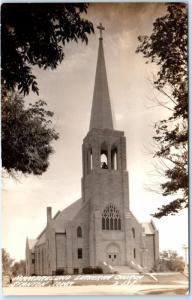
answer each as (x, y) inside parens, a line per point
(99, 227)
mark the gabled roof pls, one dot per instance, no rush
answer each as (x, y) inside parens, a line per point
(129, 214)
(59, 221)
(66, 215)
(32, 243)
(43, 231)
(149, 228)
(41, 239)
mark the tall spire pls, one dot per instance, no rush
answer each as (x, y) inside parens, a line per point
(101, 115)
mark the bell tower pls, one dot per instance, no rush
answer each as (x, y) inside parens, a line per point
(105, 178)
(104, 149)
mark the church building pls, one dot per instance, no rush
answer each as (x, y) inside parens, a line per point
(99, 227)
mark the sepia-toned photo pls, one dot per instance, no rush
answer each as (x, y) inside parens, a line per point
(94, 116)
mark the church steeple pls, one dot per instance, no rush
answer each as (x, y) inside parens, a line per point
(101, 115)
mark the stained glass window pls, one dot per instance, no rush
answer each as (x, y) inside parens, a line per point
(111, 218)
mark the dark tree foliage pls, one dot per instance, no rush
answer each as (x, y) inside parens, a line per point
(6, 262)
(34, 34)
(167, 47)
(27, 134)
(19, 268)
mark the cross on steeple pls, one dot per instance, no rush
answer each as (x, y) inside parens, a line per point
(101, 28)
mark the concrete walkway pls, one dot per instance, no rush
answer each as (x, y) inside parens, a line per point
(179, 289)
(166, 284)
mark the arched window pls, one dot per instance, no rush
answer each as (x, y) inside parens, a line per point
(79, 231)
(104, 156)
(111, 218)
(133, 232)
(104, 164)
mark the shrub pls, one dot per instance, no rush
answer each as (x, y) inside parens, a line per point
(92, 270)
(98, 270)
(88, 270)
(59, 272)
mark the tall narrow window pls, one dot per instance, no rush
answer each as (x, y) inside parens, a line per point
(119, 224)
(134, 253)
(104, 161)
(79, 231)
(36, 257)
(39, 257)
(103, 222)
(89, 160)
(111, 218)
(80, 253)
(133, 232)
(114, 158)
(33, 258)
(42, 261)
(104, 156)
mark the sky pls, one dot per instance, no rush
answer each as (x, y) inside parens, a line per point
(68, 91)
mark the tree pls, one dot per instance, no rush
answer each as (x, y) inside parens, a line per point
(19, 268)
(26, 136)
(168, 254)
(167, 47)
(170, 261)
(34, 34)
(6, 262)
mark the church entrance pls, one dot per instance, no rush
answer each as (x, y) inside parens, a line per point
(113, 255)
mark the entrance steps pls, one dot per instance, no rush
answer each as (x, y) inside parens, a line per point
(130, 268)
